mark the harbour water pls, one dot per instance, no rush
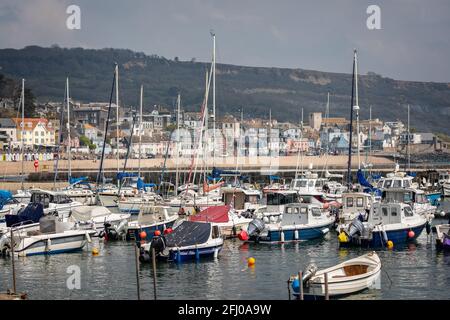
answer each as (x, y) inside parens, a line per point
(413, 271)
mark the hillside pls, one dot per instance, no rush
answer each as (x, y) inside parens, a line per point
(255, 88)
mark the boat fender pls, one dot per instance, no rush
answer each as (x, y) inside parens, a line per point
(88, 237)
(342, 237)
(385, 237)
(282, 236)
(121, 227)
(296, 235)
(197, 254)
(428, 227)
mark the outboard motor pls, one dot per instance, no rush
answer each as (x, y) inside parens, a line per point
(310, 271)
(356, 227)
(255, 227)
(108, 233)
(5, 245)
(120, 229)
(159, 243)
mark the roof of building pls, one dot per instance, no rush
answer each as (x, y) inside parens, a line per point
(34, 122)
(7, 123)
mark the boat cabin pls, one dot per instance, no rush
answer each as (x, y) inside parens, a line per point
(356, 202)
(300, 213)
(395, 180)
(149, 215)
(281, 197)
(49, 197)
(390, 213)
(407, 195)
(243, 198)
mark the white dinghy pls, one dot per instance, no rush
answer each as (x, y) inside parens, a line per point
(348, 277)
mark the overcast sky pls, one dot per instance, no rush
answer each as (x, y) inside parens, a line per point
(413, 43)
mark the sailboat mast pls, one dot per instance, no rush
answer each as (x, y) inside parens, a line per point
(140, 130)
(117, 120)
(23, 130)
(356, 109)
(409, 153)
(178, 142)
(327, 115)
(214, 96)
(301, 139)
(349, 167)
(69, 154)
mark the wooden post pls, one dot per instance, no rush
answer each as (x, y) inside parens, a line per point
(154, 271)
(327, 297)
(136, 253)
(12, 262)
(300, 284)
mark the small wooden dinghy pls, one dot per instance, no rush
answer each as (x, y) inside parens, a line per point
(348, 277)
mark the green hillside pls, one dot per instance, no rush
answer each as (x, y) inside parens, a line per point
(256, 89)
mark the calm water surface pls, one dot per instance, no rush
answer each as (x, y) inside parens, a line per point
(414, 271)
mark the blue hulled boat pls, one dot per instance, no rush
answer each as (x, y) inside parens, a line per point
(299, 222)
(188, 241)
(387, 222)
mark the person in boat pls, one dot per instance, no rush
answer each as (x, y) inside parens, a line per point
(326, 188)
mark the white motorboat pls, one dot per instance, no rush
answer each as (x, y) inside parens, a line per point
(133, 205)
(149, 220)
(49, 236)
(348, 277)
(99, 218)
(54, 201)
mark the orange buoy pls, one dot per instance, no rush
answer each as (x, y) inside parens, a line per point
(251, 261)
(143, 234)
(411, 234)
(157, 233)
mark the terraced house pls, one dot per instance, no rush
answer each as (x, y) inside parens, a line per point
(37, 132)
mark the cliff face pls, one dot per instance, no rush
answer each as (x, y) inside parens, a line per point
(256, 89)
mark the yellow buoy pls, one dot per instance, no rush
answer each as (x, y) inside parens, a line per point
(342, 237)
(390, 244)
(95, 251)
(251, 261)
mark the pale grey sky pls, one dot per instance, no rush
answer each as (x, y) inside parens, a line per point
(413, 44)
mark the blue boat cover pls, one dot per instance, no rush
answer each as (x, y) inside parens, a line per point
(122, 175)
(80, 180)
(412, 174)
(143, 186)
(188, 233)
(32, 213)
(5, 195)
(368, 187)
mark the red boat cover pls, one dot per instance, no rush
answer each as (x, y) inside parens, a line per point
(215, 214)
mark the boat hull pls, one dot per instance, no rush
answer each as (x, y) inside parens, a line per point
(184, 255)
(398, 236)
(290, 235)
(47, 246)
(133, 233)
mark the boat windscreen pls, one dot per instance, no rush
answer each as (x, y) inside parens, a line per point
(188, 233)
